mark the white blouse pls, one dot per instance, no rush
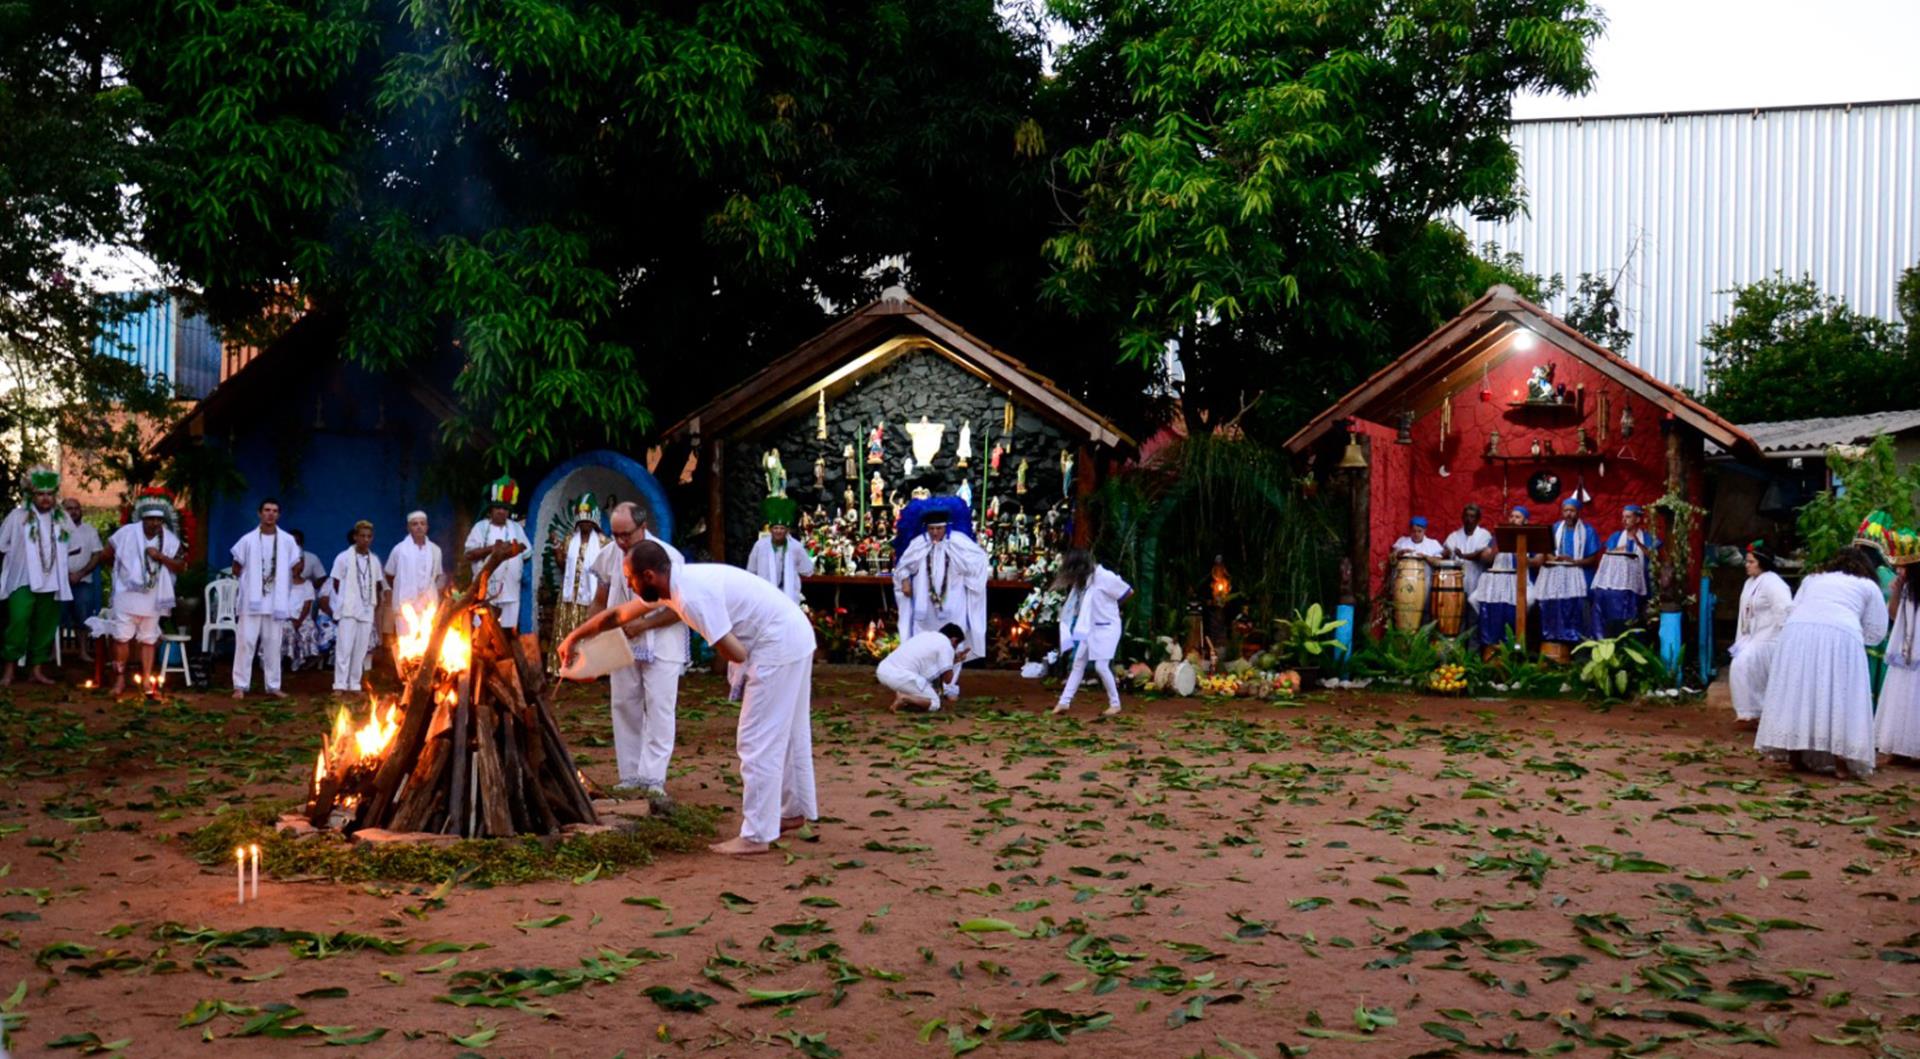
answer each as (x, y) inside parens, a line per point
(1765, 602)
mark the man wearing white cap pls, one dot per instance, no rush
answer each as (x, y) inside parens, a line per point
(415, 571)
(145, 555)
(358, 583)
(263, 560)
(33, 578)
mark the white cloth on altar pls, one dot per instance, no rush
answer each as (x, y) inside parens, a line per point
(1765, 602)
(264, 591)
(1819, 695)
(959, 567)
(578, 581)
(781, 567)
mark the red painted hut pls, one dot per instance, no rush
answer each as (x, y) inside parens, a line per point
(1454, 421)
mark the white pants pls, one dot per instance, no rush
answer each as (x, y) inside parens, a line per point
(142, 627)
(646, 696)
(353, 639)
(507, 612)
(1101, 669)
(258, 633)
(902, 682)
(775, 743)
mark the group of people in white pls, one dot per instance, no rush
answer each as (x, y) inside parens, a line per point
(1802, 676)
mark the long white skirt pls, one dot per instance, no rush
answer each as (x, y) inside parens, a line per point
(1747, 678)
(1896, 728)
(1819, 696)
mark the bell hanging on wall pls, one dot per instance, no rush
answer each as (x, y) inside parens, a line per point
(1354, 458)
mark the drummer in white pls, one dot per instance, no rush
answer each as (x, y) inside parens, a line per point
(1416, 544)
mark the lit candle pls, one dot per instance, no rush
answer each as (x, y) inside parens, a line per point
(240, 873)
(255, 850)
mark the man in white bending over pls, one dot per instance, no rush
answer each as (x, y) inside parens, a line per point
(263, 560)
(751, 623)
(646, 695)
(942, 580)
(912, 669)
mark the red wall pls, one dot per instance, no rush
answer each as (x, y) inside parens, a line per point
(1405, 480)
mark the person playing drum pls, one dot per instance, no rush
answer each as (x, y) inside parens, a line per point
(1472, 544)
(1416, 544)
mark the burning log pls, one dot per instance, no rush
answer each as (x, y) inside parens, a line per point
(471, 747)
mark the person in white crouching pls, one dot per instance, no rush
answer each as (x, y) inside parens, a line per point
(914, 670)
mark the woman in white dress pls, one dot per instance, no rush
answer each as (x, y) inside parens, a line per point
(1818, 706)
(1896, 728)
(1765, 601)
(1090, 624)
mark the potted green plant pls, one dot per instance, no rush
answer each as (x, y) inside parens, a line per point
(1306, 641)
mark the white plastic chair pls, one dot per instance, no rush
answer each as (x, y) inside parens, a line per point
(222, 611)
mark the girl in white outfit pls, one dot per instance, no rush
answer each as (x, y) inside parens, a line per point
(1765, 601)
(1818, 708)
(1896, 728)
(1090, 624)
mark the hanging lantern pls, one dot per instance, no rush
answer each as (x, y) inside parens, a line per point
(1405, 434)
(1220, 583)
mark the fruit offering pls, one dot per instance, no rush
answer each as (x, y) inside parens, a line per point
(1449, 679)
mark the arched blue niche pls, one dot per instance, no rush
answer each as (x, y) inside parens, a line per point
(604, 473)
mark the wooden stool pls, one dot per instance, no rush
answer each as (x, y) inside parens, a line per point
(173, 645)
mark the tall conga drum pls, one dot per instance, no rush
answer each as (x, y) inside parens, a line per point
(1409, 593)
(1449, 597)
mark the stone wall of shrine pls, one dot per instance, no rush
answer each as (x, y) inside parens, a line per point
(920, 383)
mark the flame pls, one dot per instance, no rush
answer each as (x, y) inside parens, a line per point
(456, 648)
(350, 744)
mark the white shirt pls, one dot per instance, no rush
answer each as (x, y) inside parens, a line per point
(781, 567)
(1843, 601)
(578, 581)
(140, 585)
(1425, 546)
(266, 572)
(669, 644)
(926, 655)
(298, 597)
(1765, 602)
(357, 584)
(83, 543)
(1092, 614)
(716, 599)
(311, 568)
(503, 586)
(36, 554)
(415, 571)
(1464, 544)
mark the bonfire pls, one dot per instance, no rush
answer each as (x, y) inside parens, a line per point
(470, 747)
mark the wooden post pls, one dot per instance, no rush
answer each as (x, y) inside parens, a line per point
(1083, 484)
(716, 502)
(1521, 571)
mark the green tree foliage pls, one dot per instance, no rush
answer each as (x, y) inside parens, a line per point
(1870, 481)
(1790, 351)
(581, 197)
(1258, 182)
(68, 148)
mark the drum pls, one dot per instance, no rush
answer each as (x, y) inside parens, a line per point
(1556, 652)
(1409, 593)
(1449, 598)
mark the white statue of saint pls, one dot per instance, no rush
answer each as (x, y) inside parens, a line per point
(964, 451)
(926, 439)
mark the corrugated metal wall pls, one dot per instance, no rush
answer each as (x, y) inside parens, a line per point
(172, 344)
(1716, 200)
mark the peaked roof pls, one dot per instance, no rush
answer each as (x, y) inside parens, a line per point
(1481, 327)
(1811, 437)
(868, 339)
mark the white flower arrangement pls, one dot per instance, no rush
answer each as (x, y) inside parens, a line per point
(1041, 606)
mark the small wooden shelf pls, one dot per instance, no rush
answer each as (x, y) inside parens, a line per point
(1543, 406)
(1558, 457)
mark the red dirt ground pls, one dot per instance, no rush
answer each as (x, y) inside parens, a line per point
(1222, 879)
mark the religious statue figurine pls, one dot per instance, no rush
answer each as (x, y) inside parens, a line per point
(820, 418)
(876, 443)
(993, 509)
(1066, 473)
(847, 498)
(876, 491)
(1493, 442)
(965, 492)
(776, 473)
(1535, 447)
(1586, 442)
(1020, 479)
(819, 474)
(925, 439)
(852, 471)
(1006, 419)
(964, 451)
(993, 461)
(1540, 383)
(906, 467)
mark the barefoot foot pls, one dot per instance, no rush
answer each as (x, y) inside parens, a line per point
(739, 847)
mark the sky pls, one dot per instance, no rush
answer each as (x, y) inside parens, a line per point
(1667, 55)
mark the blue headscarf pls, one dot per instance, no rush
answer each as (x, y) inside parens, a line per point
(913, 519)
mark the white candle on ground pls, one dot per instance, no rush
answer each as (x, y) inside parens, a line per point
(255, 849)
(240, 873)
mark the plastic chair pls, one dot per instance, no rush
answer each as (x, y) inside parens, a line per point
(173, 645)
(222, 611)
